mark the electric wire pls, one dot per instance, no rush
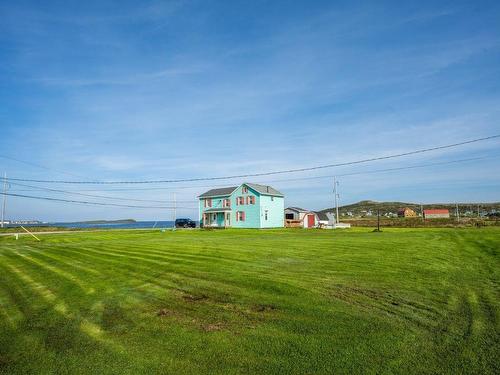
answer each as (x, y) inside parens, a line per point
(386, 157)
(179, 207)
(39, 166)
(95, 195)
(93, 203)
(289, 179)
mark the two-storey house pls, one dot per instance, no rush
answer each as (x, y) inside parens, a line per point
(244, 206)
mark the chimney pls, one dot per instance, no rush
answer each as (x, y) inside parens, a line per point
(267, 188)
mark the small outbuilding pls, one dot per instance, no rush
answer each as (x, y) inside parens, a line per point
(323, 219)
(299, 217)
(437, 214)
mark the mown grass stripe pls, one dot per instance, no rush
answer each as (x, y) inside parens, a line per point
(284, 301)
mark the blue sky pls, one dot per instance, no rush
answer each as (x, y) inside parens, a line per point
(150, 89)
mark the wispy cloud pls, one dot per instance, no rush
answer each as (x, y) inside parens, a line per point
(187, 89)
(132, 79)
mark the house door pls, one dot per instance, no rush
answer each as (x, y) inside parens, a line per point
(228, 219)
(310, 221)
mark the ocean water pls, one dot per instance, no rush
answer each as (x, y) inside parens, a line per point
(136, 225)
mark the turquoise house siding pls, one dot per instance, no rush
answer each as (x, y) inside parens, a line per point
(216, 203)
(275, 207)
(251, 211)
(267, 210)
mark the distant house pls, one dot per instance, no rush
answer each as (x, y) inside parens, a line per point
(407, 212)
(245, 206)
(437, 214)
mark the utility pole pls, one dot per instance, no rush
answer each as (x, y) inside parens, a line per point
(336, 195)
(458, 213)
(199, 214)
(422, 212)
(4, 197)
(175, 208)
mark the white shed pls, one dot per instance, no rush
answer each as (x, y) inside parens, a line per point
(299, 217)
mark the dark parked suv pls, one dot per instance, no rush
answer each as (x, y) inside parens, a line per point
(185, 223)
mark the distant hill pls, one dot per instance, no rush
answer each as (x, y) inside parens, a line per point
(369, 208)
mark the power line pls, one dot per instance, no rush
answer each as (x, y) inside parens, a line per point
(282, 180)
(163, 207)
(90, 203)
(93, 195)
(39, 166)
(4, 199)
(384, 170)
(268, 173)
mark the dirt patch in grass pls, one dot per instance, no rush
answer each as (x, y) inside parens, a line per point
(164, 312)
(4, 361)
(213, 327)
(115, 317)
(263, 308)
(194, 297)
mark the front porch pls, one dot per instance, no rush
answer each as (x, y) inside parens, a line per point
(217, 217)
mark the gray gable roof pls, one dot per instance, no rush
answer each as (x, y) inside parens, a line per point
(297, 209)
(219, 192)
(264, 189)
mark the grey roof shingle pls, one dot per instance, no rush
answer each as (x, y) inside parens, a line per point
(297, 209)
(218, 192)
(262, 189)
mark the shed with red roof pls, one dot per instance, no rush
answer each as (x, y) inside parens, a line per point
(441, 213)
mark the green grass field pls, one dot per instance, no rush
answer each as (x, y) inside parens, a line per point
(246, 301)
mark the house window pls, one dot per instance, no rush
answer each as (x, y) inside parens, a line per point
(240, 216)
(207, 203)
(215, 216)
(240, 200)
(244, 190)
(226, 203)
(251, 199)
(289, 216)
(265, 215)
